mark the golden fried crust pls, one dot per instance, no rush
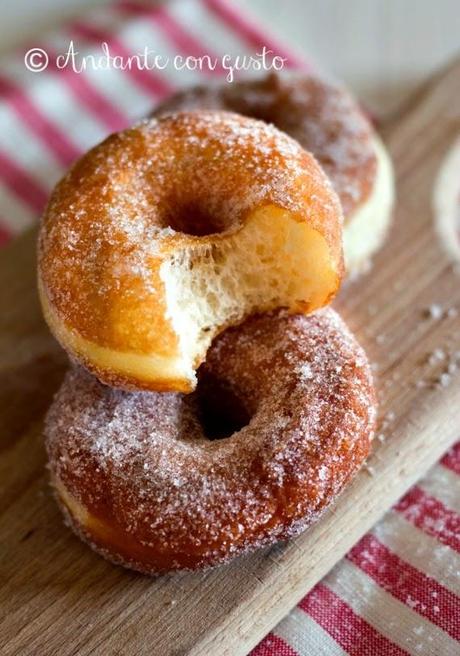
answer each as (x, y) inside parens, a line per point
(147, 195)
(143, 485)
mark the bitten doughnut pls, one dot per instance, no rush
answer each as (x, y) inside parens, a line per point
(168, 232)
(140, 478)
(325, 120)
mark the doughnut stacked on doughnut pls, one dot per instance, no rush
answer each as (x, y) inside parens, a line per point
(212, 407)
(326, 121)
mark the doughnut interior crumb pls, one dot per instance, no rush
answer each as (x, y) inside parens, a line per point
(261, 267)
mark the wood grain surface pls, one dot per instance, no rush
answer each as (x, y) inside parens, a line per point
(57, 597)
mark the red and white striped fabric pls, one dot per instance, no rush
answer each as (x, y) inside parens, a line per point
(398, 590)
(49, 118)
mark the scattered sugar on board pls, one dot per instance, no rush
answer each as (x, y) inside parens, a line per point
(434, 311)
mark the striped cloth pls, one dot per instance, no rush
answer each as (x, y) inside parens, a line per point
(398, 590)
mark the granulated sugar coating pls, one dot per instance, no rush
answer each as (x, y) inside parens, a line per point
(142, 483)
(323, 118)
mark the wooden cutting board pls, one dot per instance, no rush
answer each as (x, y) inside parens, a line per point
(57, 597)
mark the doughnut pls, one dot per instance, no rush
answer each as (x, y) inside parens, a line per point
(446, 202)
(165, 234)
(326, 121)
(280, 421)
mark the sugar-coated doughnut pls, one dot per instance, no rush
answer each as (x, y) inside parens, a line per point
(325, 120)
(168, 232)
(140, 480)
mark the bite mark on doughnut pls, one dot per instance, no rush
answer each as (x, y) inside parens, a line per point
(274, 260)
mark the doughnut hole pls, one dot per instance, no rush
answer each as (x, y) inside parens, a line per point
(220, 410)
(194, 219)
